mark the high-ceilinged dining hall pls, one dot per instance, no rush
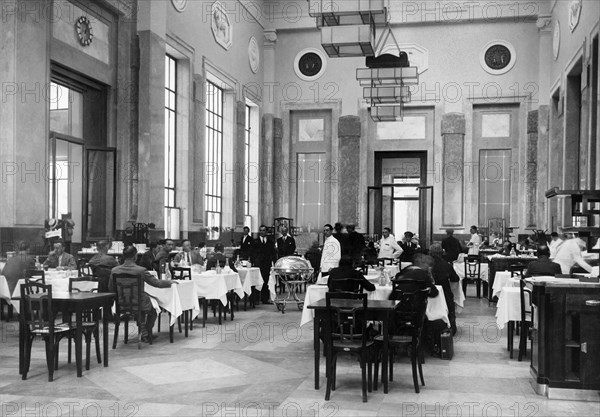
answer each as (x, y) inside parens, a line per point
(300, 207)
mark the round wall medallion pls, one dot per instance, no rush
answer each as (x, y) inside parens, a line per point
(498, 57)
(179, 5)
(310, 64)
(253, 55)
(83, 26)
(556, 40)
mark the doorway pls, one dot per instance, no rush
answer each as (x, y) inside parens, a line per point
(400, 198)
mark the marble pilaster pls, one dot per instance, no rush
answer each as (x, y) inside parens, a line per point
(349, 132)
(531, 169)
(453, 137)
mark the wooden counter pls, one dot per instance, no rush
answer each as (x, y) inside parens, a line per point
(566, 335)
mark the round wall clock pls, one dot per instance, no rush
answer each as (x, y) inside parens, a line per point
(310, 64)
(179, 5)
(83, 26)
(498, 57)
(253, 55)
(556, 40)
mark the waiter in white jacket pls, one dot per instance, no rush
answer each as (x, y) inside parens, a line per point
(332, 251)
(388, 247)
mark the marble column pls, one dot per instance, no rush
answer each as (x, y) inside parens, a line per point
(281, 175)
(240, 164)
(453, 137)
(151, 157)
(266, 170)
(199, 126)
(543, 130)
(531, 169)
(349, 132)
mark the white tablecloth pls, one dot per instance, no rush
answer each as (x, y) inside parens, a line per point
(436, 306)
(509, 304)
(459, 267)
(58, 279)
(215, 287)
(500, 280)
(175, 299)
(4, 290)
(250, 277)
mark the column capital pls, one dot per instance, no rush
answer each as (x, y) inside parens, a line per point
(270, 38)
(349, 126)
(453, 123)
(543, 23)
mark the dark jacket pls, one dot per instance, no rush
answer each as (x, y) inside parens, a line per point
(149, 261)
(246, 245)
(452, 248)
(67, 261)
(347, 272)
(408, 251)
(263, 253)
(129, 267)
(418, 274)
(543, 266)
(344, 240)
(287, 247)
(15, 268)
(357, 244)
(102, 266)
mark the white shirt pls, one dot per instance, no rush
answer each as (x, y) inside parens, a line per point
(332, 253)
(474, 244)
(569, 254)
(553, 246)
(389, 248)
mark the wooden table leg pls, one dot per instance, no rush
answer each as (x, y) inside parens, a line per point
(105, 315)
(78, 337)
(384, 354)
(317, 348)
(186, 320)
(21, 339)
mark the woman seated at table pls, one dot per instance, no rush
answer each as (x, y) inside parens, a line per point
(218, 256)
(443, 273)
(346, 278)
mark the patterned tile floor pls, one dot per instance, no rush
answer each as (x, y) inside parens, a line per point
(261, 365)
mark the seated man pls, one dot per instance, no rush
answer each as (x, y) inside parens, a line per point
(17, 265)
(443, 273)
(568, 254)
(129, 267)
(102, 264)
(218, 256)
(59, 258)
(543, 266)
(149, 259)
(420, 270)
(346, 278)
(188, 256)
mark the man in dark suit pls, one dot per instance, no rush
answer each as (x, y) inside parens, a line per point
(264, 255)
(102, 264)
(409, 247)
(286, 245)
(129, 267)
(420, 270)
(451, 246)
(246, 244)
(343, 238)
(443, 273)
(346, 278)
(149, 259)
(543, 266)
(17, 265)
(357, 243)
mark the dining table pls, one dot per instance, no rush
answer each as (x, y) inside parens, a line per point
(74, 302)
(377, 310)
(213, 286)
(177, 300)
(437, 309)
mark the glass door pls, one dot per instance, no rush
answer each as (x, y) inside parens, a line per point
(101, 184)
(66, 182)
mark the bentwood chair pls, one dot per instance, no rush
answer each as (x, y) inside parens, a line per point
(526, 318)
(472, 273)
(38, 319)
(90, 323)
(130, 290)
(346, 332)
(406, 329)
(84, 269)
